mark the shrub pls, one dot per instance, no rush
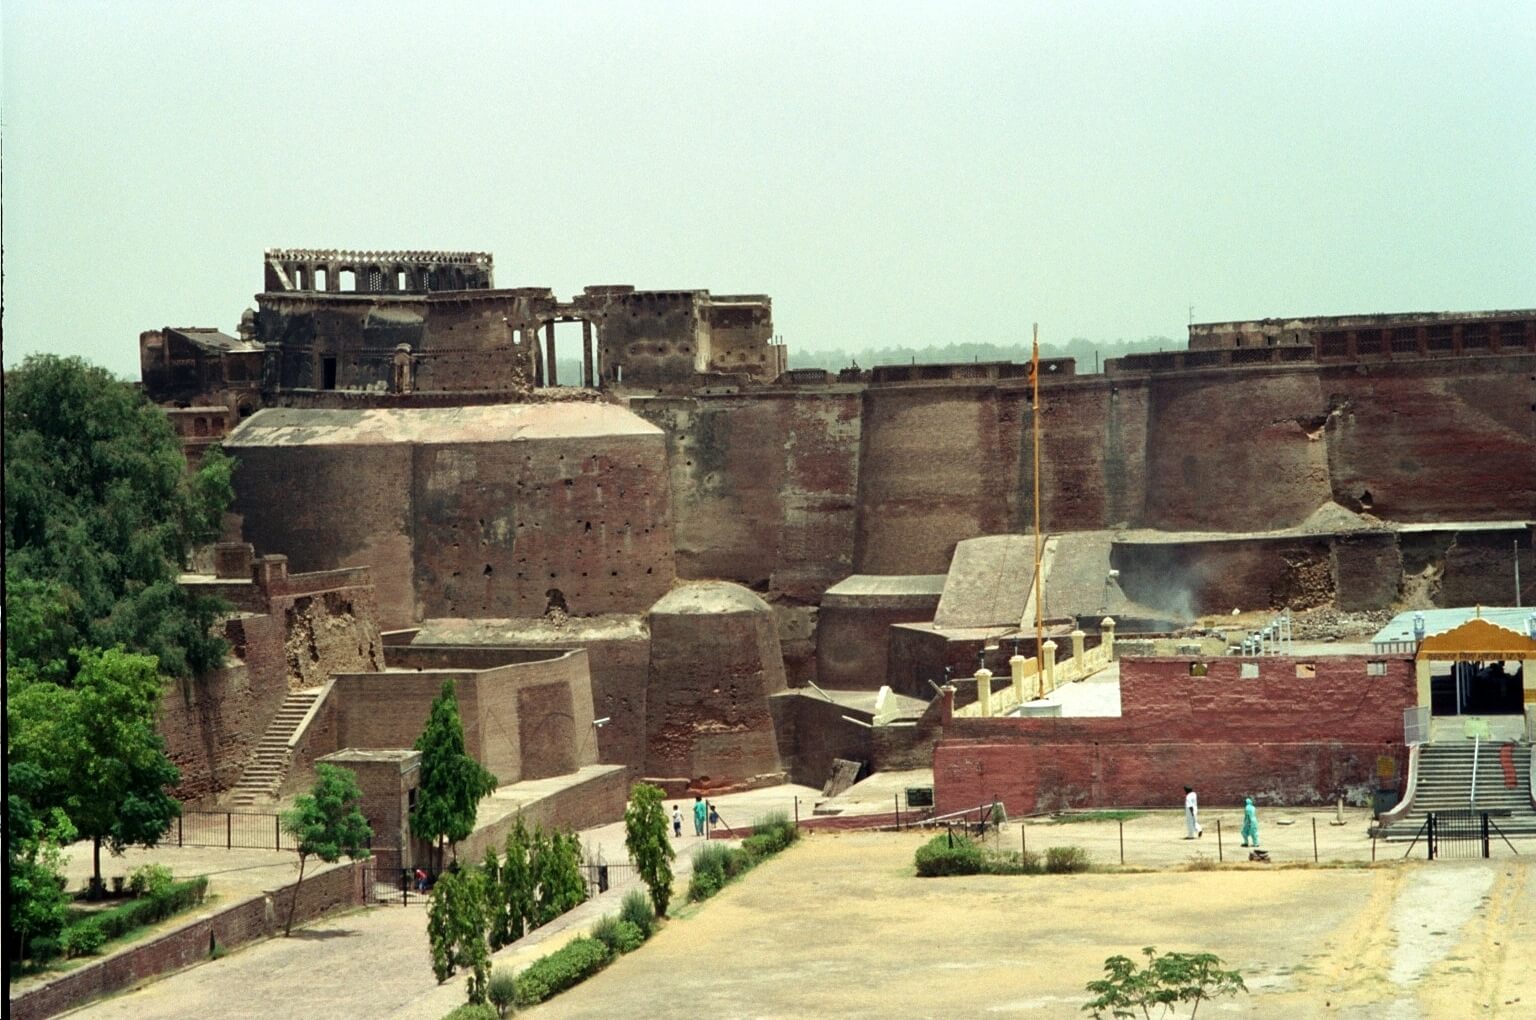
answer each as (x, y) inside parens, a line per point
(606, 931)
(630, 937)
(778, 829)
(710, 859)
(702, 886)
(637, 910)
(472, 1011)
(502, 990)
(1167, 980)
(946, 855)
(83, 938)
(43, 949)
(150, 880)
(150, 909)
(1066, 860)
(549, 975)
(1011, 863)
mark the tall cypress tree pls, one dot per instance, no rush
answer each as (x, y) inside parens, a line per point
(452, 782)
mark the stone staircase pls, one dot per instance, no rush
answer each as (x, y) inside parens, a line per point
(263, 777)
(1445, 784)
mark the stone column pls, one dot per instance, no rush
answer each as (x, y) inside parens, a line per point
(1016, 668)
(550, 371)
(1421, 676)
(586, 355)
(984, 691)
(1107, 636)
(1077, 652)
(404, 380)
(1048, 663)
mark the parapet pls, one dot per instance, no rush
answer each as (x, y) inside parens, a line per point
(334, 270)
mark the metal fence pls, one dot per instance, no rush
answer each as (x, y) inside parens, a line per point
(231, 830)
(1460, 834)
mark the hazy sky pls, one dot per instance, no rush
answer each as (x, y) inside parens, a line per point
(889, 173)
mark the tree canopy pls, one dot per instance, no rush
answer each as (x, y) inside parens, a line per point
(645, 837)
(452, 782)
(93, 751)
(100, 515)
(327, 823)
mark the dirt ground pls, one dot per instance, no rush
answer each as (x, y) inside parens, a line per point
(839, 926)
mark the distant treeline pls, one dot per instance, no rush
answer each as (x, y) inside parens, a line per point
(1083, 350)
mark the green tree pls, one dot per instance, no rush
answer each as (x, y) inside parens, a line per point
(94, 749)
(327, 823)
(517, 885)
(1165, 981)
(456, 922)
(452, 782)
(100, 515)
(36, 904)
(645, 837)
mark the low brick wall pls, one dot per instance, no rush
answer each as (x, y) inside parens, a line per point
(595, 801)
(244, 921)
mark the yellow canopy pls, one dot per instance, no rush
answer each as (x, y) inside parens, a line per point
(1477, 640)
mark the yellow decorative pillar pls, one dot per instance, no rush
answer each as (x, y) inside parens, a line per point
(1421, 674)
(1016, 668)
(1107, 636)
(984, 691)
(1077, 654)
(1049, 662)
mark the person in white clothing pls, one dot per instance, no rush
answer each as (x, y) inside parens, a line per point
(1192, 828)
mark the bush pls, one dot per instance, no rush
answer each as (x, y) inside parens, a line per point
(152, 908)
(637, 910)
(606, 931)
(946, 855)
(502, 990)
(702, 886)
(772, 832)
(630, 937)
(83, 938)
(1066, 860)
(150, 880)
(472, 1011)
(549, 975)
(1011, 863)
(43, 949)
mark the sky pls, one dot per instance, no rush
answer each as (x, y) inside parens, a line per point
(890, 173)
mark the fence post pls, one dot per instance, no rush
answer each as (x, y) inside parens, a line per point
(1219, 856)
(897, 798)
(1122, 842)
(1431, 841)
(1314, 839)
(229, 831)
(178, 830)
(797, 814)
(1485, 834)
(277, 832)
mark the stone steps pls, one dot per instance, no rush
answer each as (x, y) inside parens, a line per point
(1444, 783)
(263, 777)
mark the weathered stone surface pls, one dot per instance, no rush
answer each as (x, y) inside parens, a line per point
(715, 659)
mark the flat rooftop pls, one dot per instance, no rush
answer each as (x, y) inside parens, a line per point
(489, 423)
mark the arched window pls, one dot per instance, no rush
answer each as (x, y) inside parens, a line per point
(346, 279)
(375, 279)
(402, 280)
(321, 278)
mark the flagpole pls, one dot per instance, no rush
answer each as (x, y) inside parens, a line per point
(1034, 375)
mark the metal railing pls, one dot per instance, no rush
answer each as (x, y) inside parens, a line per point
(1460, 834)
(231, 830)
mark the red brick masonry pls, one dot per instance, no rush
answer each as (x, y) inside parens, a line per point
(1304, 731)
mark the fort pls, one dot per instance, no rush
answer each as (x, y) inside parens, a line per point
(750, 571)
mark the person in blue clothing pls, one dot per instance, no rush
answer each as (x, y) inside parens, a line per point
(1250, 823)
(700, 812)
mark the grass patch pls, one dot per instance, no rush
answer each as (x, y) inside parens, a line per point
(1073, 817)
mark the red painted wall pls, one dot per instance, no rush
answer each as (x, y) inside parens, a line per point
(1280, 738)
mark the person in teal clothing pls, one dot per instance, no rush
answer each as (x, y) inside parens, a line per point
(1250, 823)
(700, 812)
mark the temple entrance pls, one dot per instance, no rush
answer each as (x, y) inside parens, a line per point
(1476, 688)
